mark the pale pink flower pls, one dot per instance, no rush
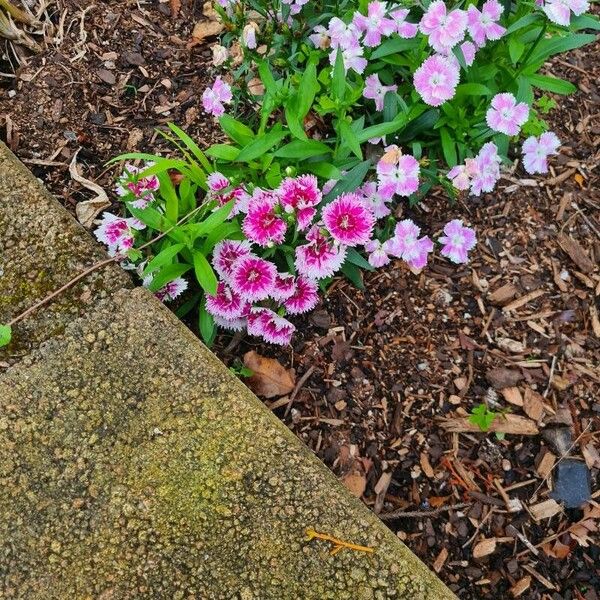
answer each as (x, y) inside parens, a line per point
(320, 38)
(398, 174)
(231, 324)
(321, 257)
(352, 58)
(402, 27)
(226, 303)
(252, 278)
(506, 115)
(262, 224)
(304, 298)
(469, 50)
(284, 287)
(536, 152)
(249, 35)
(457, 240)
(267, 324)
(461, 175)
(341, 35)
(225, 253)
(445, 29)
(436, 79)
(375, 200)
(172, 290)
(330, 184)
(117, 233)
(300, 195)
(482, 25)
(139, 191)
(295, 5)
(559, 11)
(407, 245)
(214, 97)
(375, 90)
(486, 169)
(375, 25)
(348, 220)
(377, 255)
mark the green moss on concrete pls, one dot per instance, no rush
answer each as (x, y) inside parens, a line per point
(41, 248)
(134, 465)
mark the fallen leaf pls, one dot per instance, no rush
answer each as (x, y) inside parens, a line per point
(556, 549)
(437, 501)
(88, 210)
(576, 253)
(512, 395)
(533, 404)
(355, 482)
(204, 29)
(484, 547)
(503, 294)
(513, 346)
(256, 87)
(269, 378)
(521, 586)
(591, 455)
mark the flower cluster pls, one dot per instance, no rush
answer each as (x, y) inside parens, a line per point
(216, 96)
(136, 189)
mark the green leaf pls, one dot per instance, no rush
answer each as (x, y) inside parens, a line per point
(547, 48)
(260, 146)
(482, 417)
(236, 130)
(351, 180)
(206, 325)
(309, 87)
(5, 335)
(515, 49)
(162, 258)
(525, 91)
(338, 82)
(204, 273)
(353, 256)
(168, 274)
(223, 152)
(167, 191)
(390, 106)
(322, 169)
(448, 147)
(353, 273)
(224, 231)
(394, 45)
(585, 22)
(523, 22)
(423, 123)
(349, 138)
(382, 129)
(213, 220)
(266, 76)
(151, 217)
(473, 89)
(292, 118)
(302, 149)
(191, 145)
(552, 84)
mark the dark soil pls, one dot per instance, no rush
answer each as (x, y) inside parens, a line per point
(389, 362)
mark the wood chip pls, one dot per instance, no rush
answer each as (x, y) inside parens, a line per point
(545, 510)
(595, 320)
(523, 300)
(426, 465)
(440, 560)
(503, 295)
(533, 404)
(521, 586)
(484, 547)
(546, 465)
(576, 253)
(512, 395)
(511, 424)
(591, 455)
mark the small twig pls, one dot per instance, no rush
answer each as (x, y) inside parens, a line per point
(400, 513)
(479, 527)
(93, 268)
(552, 367)
(337, 543)
(298, 387)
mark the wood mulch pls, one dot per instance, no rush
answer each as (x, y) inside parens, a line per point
(394, 369)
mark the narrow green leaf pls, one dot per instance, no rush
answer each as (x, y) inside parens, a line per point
(338, 82)
(191, 145)
(260, 146)
(223, 152)
(448, 147)
(350, 181)
(168, 274)
(349, 138)
(206, 325)
(162, 258)
(394, 45)
(552, 84)
(523, 22)
(237, 131)
(353, 273)
(204, 273)
(322, 169)
(213, 220)
(353, 256)
(473, 89)
(5, 335)
(302, 149)
(309, 87)
(550, 47)
(515, 49)
(151, 217)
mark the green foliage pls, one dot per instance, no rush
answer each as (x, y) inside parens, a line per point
(482, 416)
(5, 335)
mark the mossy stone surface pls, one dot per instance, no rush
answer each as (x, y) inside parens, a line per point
(41, 248)
(133, 464)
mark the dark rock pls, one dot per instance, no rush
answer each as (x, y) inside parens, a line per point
(559, 438)
(571, 483)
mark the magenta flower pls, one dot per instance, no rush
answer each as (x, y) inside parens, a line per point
(559, 11)
(217, 182)
(262, 224)
(171, 290)
(402, 27)
(536, 152)
(225, 254)
(304, 298)
(284, 287)
(142, 189)
(398, 174)
(457, 240)
(267, 324)
(375, 90)
(506, 115)
(445, 29)
(226, 303)
(375, 24)
(408, 246)
(482, 25)
(486, 169)
(320, 258)
(117, 233)
(214, 97)
(375, 200)
(300, 196)
(436, 79)
(230, 324)
(348, 220)
(253, 278)
(377, 255)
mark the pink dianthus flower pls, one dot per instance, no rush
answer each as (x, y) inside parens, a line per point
(226, 303)
(376, 91)
(321, 257)
(214, 97)
(506, 115)
(262, 224)
(226, 252)
(436, 79)
(457, 240)
(536, 152)
(141, 188)
(407, 245)
(304, 298)
(397, 173)
(482, 25)
(117, 233)
(300, 195)
(349, 220)
(252, 277)
(375, 25)
(267, 324)
(378, 256)
(445, 29)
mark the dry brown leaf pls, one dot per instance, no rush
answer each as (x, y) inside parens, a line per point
(591, 455)
(269, 379)
(509, 345)
(437, 501)
(533, 404)
(256, 87)
(512, 395)
(88, 210)
(204, 29)
(503, 294)
(576, 253)
(484, 547)
(556, 549)
(521, 586)
(355, 482)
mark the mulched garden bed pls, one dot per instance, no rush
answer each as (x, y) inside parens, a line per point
(385, 373)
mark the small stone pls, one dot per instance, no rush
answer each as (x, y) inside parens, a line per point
(559, 438)
(571, 483)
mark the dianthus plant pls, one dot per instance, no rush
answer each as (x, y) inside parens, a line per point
(337, 114)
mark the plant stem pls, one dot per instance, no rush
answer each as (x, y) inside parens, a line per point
(538, 39)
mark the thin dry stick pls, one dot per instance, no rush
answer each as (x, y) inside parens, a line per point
(338, 544)
(93, 268)
(298, 387)
(396, 514)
